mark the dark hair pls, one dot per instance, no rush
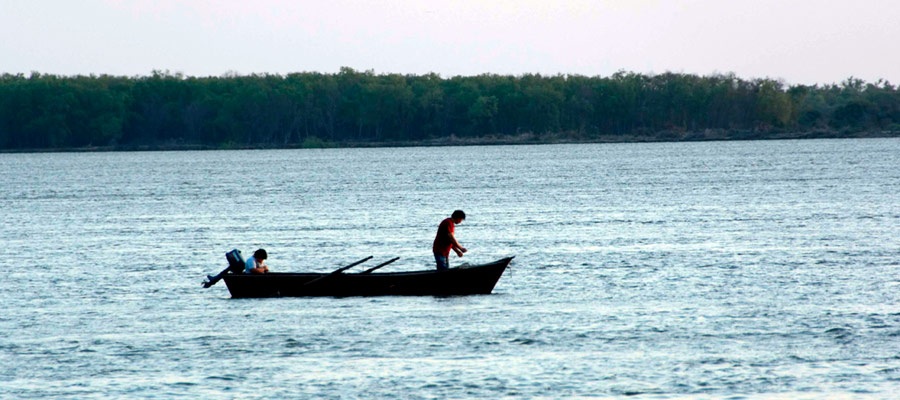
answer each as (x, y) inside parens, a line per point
(260, 254)
(458, 214)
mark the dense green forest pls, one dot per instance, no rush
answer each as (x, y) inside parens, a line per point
(351, 107)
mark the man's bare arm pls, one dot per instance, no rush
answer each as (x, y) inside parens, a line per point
(456, 246)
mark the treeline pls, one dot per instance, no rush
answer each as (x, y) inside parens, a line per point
(163, 109)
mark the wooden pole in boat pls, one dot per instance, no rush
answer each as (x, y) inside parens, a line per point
(379, 265)
(339, 270)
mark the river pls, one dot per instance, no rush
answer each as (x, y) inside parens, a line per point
(659, 270)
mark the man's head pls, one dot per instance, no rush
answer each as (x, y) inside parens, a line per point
(458, 216)
(260, 254)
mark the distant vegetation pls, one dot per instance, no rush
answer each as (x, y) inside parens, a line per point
(166, 110)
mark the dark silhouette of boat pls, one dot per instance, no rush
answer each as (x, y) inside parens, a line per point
(464, 280)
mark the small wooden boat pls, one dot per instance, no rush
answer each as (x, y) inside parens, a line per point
(464, 280)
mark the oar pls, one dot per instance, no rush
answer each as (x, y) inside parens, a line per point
(379, 266)
(339, 270)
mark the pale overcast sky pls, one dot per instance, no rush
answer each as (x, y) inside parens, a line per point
(800, 41)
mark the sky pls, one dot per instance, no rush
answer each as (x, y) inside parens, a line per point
(797, 41)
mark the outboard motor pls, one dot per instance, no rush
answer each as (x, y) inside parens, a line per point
(235, 266)
(235, 261)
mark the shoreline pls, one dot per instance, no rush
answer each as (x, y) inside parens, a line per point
(523, 139)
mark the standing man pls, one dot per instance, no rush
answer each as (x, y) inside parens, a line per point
(444, 241)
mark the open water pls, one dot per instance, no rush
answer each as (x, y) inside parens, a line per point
(715, 270)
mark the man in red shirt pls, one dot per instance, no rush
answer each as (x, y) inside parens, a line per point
(444, 241)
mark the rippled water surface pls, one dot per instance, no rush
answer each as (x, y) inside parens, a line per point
(660, 270)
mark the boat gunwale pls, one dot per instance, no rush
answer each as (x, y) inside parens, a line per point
(503, 261)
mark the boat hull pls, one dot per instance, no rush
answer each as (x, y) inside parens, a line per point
(478, 279)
